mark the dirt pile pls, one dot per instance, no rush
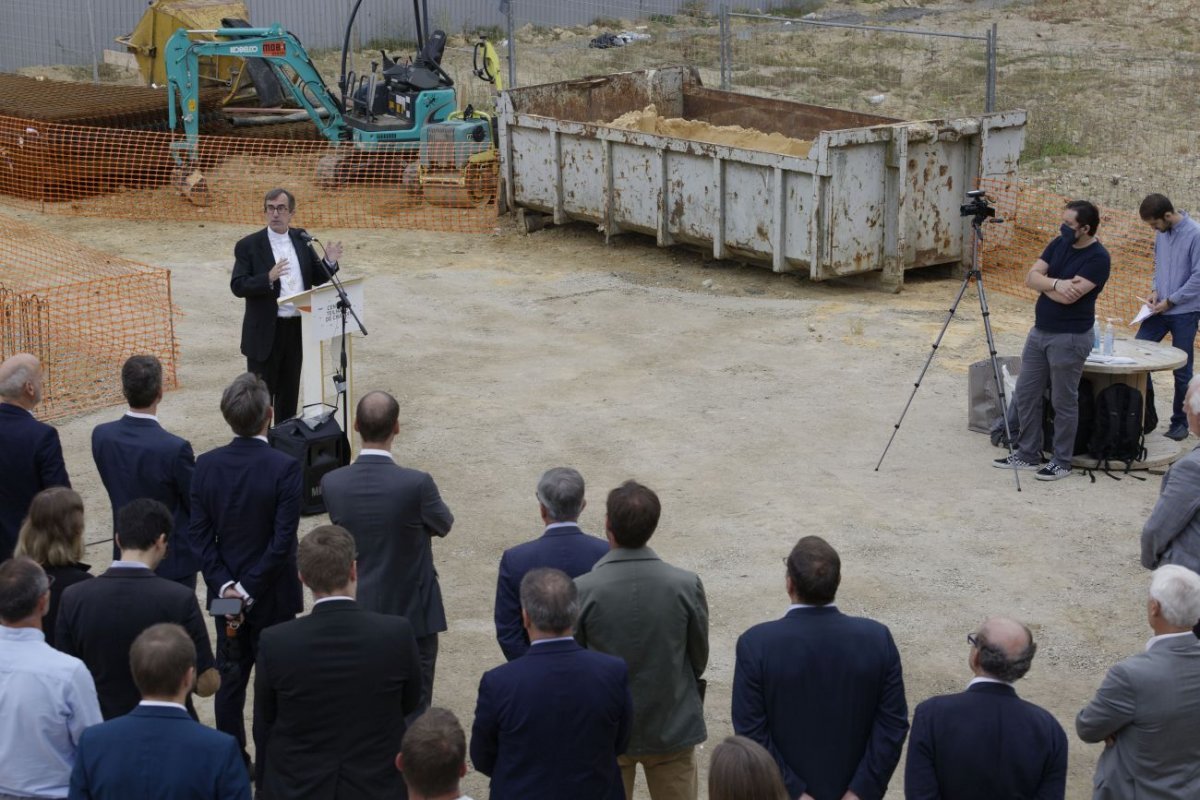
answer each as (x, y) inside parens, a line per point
(648, 121)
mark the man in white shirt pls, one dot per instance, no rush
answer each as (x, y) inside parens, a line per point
(47, 698)
(433, 757)
(277, 261)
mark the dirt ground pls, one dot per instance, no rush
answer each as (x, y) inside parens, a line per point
(757, 407)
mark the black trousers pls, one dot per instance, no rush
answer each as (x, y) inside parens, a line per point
(281, 369)
(427, 649)
(235, 660)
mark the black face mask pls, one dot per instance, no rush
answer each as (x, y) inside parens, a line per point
(1068, 234)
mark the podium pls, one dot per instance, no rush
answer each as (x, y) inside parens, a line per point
(321, 333)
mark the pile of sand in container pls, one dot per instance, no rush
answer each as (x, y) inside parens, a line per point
(648, 121)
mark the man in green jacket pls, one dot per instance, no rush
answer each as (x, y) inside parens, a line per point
(639, 608)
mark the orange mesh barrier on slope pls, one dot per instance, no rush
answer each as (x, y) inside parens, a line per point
(82, 312)
(123, 174)
(1031, 219)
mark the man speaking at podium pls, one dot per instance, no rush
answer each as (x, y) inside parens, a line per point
(278, 261)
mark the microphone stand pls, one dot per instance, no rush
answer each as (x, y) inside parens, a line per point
(347, 310)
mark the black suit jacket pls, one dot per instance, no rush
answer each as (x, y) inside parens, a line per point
(392, 512)
(63, 576)
(31, 459)
(252, 260)
(823, 692)
(137, 458)
(985, 744)
(99, 619)
(245, 513)
(331, 691)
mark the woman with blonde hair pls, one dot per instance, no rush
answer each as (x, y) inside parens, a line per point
(52, 535)
(742, 769)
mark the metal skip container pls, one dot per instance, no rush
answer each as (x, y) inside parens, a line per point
(873, 193)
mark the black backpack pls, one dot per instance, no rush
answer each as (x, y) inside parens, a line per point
(1118, 434)
(1086, 411)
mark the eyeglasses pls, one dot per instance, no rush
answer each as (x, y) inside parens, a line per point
(973, 639)
(277, 209)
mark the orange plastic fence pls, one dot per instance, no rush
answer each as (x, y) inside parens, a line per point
(82, 312)
(127, 174)
(1031, 219)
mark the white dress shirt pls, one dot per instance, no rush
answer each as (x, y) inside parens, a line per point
(1153, 640)
(140, 415)
(290, 282)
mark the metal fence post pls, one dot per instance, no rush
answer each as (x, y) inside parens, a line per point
(990, 94)
(91, 18)
(506, 7)
(726, 49)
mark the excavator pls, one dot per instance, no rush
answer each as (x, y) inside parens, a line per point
(444, 155)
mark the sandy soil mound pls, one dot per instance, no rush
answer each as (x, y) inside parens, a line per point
(648, 121)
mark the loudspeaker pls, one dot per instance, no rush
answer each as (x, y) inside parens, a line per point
(320, 446)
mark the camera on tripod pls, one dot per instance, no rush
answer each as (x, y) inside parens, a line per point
(979, 207)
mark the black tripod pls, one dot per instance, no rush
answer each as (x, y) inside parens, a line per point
(980, 211)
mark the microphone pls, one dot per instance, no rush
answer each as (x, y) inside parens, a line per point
(305, 236)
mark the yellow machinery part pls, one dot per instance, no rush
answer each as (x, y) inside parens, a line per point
(148, 40)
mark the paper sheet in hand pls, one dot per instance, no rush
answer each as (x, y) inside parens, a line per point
(1145, 311)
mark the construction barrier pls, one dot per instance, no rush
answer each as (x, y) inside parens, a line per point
(128, 174)
(82, 312)
(1031, 220)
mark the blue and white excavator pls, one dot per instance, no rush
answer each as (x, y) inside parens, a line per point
(407, 108)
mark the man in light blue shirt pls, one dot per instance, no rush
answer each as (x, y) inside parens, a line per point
(47, 698)
(1174, 293)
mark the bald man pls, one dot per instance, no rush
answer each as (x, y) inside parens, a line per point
(31, 456)
(986, 743)
(393, 513)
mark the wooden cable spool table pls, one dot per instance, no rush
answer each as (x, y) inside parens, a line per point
(1147, 357)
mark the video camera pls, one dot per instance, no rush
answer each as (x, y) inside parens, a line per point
(979, 207)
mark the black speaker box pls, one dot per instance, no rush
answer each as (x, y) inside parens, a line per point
(320, 447)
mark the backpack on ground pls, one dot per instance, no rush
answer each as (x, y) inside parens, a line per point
(1118, 433)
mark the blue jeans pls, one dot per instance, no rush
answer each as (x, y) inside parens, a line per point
(1182, 328)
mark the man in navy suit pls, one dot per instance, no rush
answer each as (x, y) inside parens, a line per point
(137, 458)
(822, 691)
(157, 750)
(31, 456)
(986, 743)
(277, 261)
(552, 723)
(562, 545)
(245, 513)
(99, 620)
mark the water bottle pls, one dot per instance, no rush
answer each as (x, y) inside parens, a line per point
(1110, 336)
(1096, 336)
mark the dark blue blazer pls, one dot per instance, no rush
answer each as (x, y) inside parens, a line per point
(565, 548)
(823, 692)
(157, 753)
(137, 458)
(245, 513)
(31, 459)
(985, 744)
(552, 723)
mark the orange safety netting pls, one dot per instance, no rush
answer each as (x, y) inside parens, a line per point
(1031, 219)
(82, 312)
(106, 172)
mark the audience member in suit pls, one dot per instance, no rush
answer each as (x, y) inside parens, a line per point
(433, 757)
(272, 263)
(1147, 710)
(99, 620)
(47, 698)
(986, 743)
(332, 689)
(245, 513)
(393, 513)
(52, 535)
(552, 723)
(822, 691)
(742, 769)
(137, 458)
(31, 456)
(562, 545)
(636, 606)
(1172, 533)
(157, 750)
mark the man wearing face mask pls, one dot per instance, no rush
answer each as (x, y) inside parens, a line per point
(1070, 274)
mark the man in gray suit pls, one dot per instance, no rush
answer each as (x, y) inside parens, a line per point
(635, 606)
(1147, 711)
(1172, 533)
(392, 512)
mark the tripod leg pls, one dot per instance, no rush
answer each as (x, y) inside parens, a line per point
(949, 316)
(991, 343)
